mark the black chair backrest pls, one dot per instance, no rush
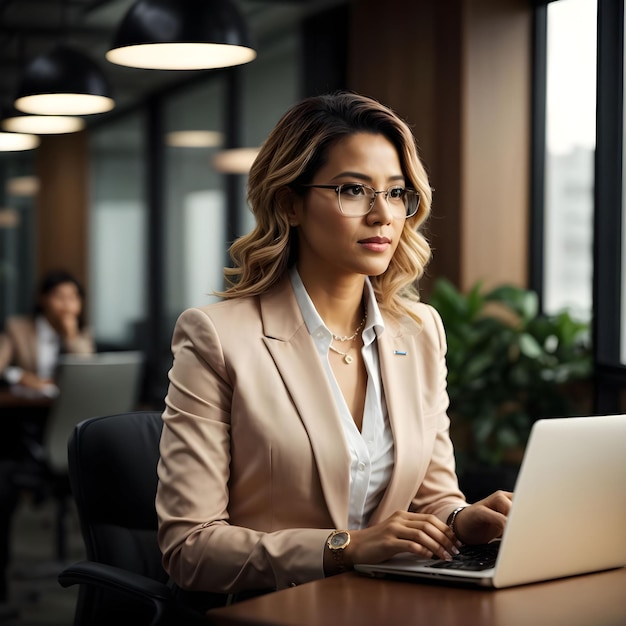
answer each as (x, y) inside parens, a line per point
(112, 463)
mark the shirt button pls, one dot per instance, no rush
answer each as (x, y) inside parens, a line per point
(361, 466)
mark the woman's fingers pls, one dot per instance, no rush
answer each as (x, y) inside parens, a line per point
(485, 520)
(431, 533)
(434, 542)
(422, 535)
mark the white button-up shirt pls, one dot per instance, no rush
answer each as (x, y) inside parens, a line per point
(48, 348)
(371, 450)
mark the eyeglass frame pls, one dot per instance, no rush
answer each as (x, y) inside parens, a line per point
(337, 190)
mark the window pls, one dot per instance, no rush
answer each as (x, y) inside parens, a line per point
(579, 229)
(569, 158)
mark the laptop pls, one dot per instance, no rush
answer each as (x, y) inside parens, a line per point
(104, 383)
(568, 515)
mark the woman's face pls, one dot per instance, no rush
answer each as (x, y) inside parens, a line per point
(332, 244)
(62, 301)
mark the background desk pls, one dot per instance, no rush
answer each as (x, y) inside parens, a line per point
(20, 419)
(9, 400)
(351, 599)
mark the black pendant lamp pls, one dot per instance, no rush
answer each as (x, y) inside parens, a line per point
(63, 82)
(182, 35)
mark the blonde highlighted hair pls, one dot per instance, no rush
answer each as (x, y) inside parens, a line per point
(289, 158)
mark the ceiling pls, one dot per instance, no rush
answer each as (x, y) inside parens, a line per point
(31, 27)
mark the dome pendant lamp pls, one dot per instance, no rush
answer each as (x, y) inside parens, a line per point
(182, 35)
(63, 82)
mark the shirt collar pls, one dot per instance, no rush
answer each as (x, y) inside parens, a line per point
(374, 325)
(45, 330)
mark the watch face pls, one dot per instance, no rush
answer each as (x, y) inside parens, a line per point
(339, 540)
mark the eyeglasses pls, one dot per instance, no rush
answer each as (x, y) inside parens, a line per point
(356, 199)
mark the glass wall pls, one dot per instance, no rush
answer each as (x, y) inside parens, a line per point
(118, 234)
(18, 190)
(570, 145)
(195, 206)
(196, 211)
(269, 89)
(167, 209)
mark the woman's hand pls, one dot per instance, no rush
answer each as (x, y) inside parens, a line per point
(485, 520)
(68, 326)
(423, 535)
(32, 381)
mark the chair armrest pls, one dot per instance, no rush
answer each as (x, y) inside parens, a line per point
(115, 579)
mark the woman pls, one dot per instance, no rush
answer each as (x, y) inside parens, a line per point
(30, 345)
(305, 427)
(29, 351)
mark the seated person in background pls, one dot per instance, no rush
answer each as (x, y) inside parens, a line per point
(30, 345)
(29, 352)
(305, 428)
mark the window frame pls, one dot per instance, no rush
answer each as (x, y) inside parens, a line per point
(608, 214)
(607, 316)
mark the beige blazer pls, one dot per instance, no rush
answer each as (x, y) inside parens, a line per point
(18, 344)
(254, 469)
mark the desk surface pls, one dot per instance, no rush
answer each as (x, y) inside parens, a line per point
(351, 599)
(9, 400)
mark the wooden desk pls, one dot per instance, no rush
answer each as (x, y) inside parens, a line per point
(351, 599)
(11, 401)
(21, 419)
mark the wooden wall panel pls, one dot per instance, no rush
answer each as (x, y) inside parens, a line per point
(408, 56)
(459, 73)
(496, 142)
(62, 204)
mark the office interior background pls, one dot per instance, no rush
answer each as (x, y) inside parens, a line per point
(517, 106)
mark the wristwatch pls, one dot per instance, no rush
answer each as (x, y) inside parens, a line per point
(451, 521)
(337, 542)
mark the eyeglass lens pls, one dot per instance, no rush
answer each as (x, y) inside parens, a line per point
(359, 199)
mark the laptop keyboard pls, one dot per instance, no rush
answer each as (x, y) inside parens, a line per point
(472, 558)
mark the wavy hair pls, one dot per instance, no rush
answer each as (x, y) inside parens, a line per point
(289, 158)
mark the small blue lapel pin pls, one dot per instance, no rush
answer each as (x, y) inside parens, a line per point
(400, 352)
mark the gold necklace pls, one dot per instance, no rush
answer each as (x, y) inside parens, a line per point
(352, 336)
(347, 359)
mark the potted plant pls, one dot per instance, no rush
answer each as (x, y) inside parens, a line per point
(508, 365)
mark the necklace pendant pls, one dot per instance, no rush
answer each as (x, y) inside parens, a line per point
(347, 359)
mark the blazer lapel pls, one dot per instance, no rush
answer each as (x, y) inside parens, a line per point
(25, 337)
(400, 375)
(298, 363)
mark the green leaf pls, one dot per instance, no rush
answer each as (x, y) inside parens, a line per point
(529, 346)
(522, 301)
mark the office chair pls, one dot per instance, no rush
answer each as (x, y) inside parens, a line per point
(97, 384)
(112, 469)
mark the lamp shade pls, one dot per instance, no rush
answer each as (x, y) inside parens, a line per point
(13, 142)
(63, 82)
(194, 139)
(235, 160)
(17, 122)
(182, 35)
(23, 186)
